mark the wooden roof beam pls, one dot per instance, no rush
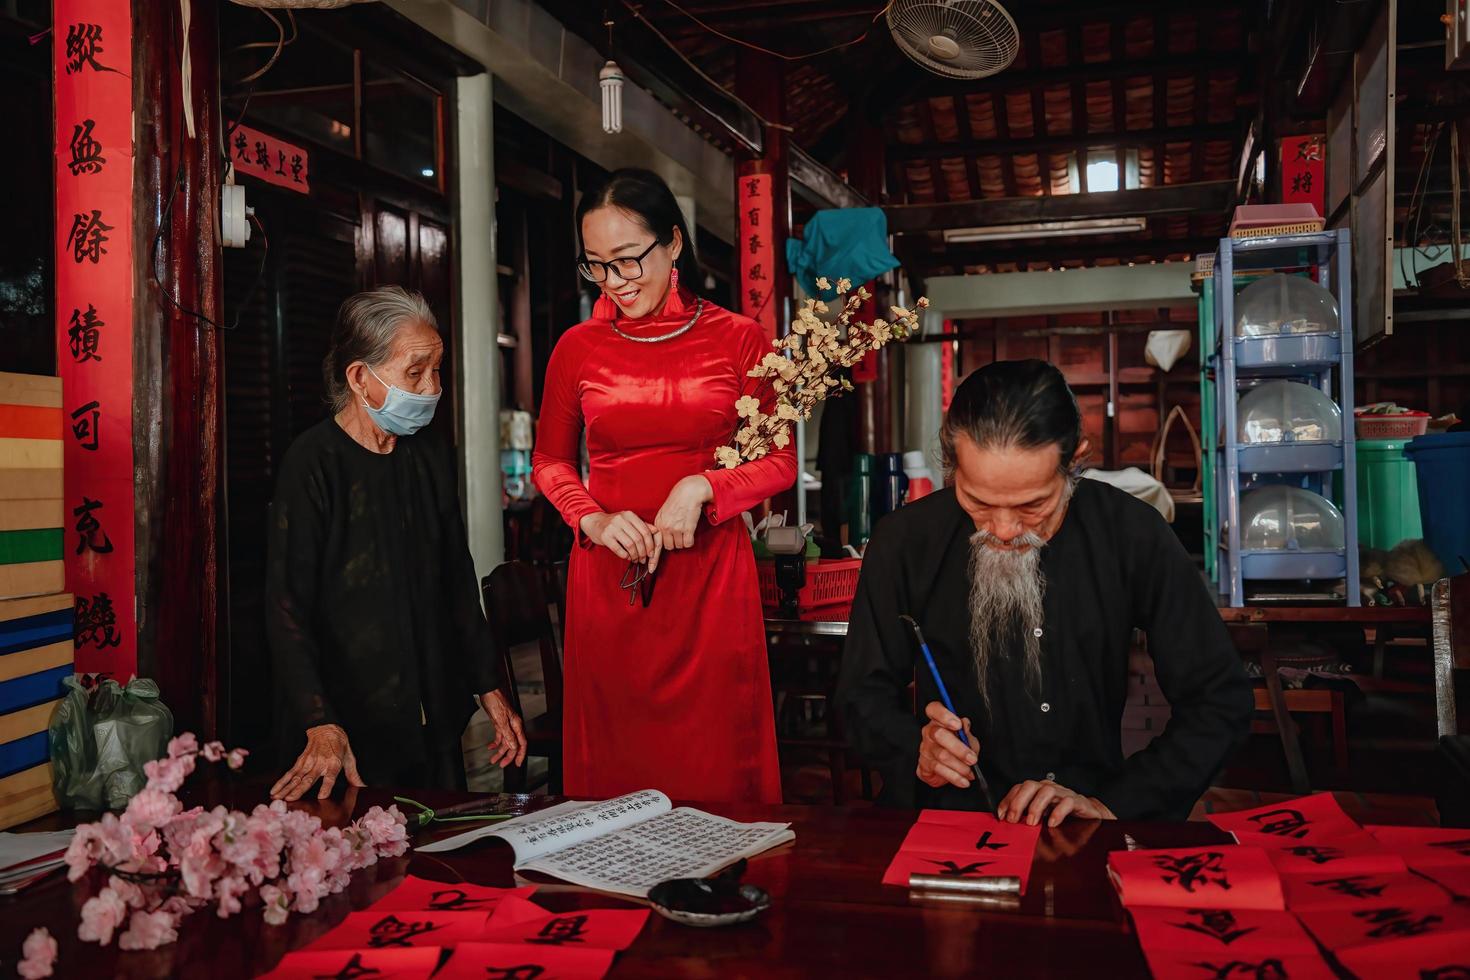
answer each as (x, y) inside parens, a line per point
(1213, 197)
(1066, 144)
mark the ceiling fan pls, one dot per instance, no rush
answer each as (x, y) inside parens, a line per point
(963, 39)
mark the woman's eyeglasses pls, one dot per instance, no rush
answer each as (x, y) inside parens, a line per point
(629, 268)
(638, 582)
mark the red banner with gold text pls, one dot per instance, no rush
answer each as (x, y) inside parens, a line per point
(757, 250)
(92, 77)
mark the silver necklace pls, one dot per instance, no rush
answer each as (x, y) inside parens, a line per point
(698, 309)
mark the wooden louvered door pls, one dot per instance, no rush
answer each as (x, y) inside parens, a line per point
(273, 392)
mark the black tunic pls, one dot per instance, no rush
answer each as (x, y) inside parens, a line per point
(372, 606)
(1113, 566)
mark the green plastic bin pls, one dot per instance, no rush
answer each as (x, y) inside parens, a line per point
(1388, 494)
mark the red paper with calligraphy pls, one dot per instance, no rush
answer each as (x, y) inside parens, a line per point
(1308, 892)
(92, 75)
(1350, 854)
(423, 895)
(1227, 876)
(757, 249)
(1306, 820)
(401, 964)
(523, 961)
(1304, 171)
(1209, 931)
(376, 929)
(519, 921)
(1275, 966)
(1401, 926)
(1427, 847)
(270, 159)
(958, 844)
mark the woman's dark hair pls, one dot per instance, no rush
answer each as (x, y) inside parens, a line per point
(643, 194)
(1021, 404)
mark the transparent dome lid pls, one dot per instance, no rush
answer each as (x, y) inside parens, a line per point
(1282, 304)
(1288, 411)
(1289, 519)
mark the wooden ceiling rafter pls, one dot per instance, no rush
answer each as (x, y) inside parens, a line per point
(1003, 132)
(1079, 103)
(1038, 111)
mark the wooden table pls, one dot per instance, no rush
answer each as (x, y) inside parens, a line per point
(830, 916)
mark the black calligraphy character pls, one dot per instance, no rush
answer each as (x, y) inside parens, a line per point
(242, 148)
(86, 151)
(96, 622)
(753, 216)
(84, 425)
(280, 163)
(391, 931)
(952, 869)
(1283, 823)
(86, 237)
(528, 971)
(84, 333)
(1309, 150)
(1396, 923)
(1352, 886)
(1460, 847)
(1272, 969)
(755, 244)
(756, 274)
(297, 165)
(83, 45)
(754, 296)
(752, 187)
(1317, 855)
(1218, 924)
(1302, 183)
(984, 844)
(351, 970)
(455, 900)
(89, 529)
(561, 930)
(1191, 871)
(262, 154)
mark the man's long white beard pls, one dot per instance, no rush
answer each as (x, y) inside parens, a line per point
(1007, 588)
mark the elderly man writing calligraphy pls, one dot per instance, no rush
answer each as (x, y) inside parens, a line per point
(1028, 585)
(378, 641)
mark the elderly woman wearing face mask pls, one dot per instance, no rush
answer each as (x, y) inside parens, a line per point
(378, 641)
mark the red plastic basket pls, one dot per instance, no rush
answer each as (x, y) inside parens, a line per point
(1392, 426)
(830, 587)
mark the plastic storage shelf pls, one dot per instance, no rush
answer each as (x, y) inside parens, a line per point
(1322, 358)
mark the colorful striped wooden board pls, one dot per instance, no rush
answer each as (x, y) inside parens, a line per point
(32, 514)
(35, 655)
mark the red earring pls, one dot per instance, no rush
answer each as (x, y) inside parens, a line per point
(674, 278)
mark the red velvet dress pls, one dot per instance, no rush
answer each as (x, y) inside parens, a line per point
(675, 696)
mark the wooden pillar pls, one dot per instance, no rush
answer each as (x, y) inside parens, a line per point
(177, 435)
(866, 163)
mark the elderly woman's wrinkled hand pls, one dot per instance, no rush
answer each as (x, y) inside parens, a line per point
(509, 747)
(326, 756)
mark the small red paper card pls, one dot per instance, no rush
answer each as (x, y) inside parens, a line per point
(1204, 966)
(519, 921)
(1400, 926)
(1307, 820)
(522, 961)
(1236, 931)
(964, 844)
(1197, 877)
(396, 930)
(401, 964)
(423, 895)
(1427, 847)
(1444, 961)
(1361, 853)
(1309, 892)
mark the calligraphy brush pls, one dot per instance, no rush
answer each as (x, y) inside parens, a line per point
(979, 777)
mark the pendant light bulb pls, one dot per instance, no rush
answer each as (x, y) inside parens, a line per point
(611, 81)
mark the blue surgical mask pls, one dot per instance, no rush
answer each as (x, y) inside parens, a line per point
(403, 412)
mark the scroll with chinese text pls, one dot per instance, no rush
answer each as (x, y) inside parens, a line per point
(525, 961)
(1308, 892)
(1306, 820)
(376, 929)
(94, 323)
(1227, 877)
(1400, 926)
(756, 220)
(1427, 847)
(423, 895)
(1304, 171)
(270, 159)
(520, 921)
(401, 964)
(959, 844)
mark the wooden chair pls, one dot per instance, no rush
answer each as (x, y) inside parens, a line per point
(515, 602)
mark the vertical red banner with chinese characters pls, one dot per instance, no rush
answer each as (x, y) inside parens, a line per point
(757, 251)
(1304, 171)
(92, 74)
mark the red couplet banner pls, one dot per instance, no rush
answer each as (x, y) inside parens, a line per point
(757, 250)
(1304, 171)
(92, 77)
(270, 159)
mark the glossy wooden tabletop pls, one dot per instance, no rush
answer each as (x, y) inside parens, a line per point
(830, 916)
